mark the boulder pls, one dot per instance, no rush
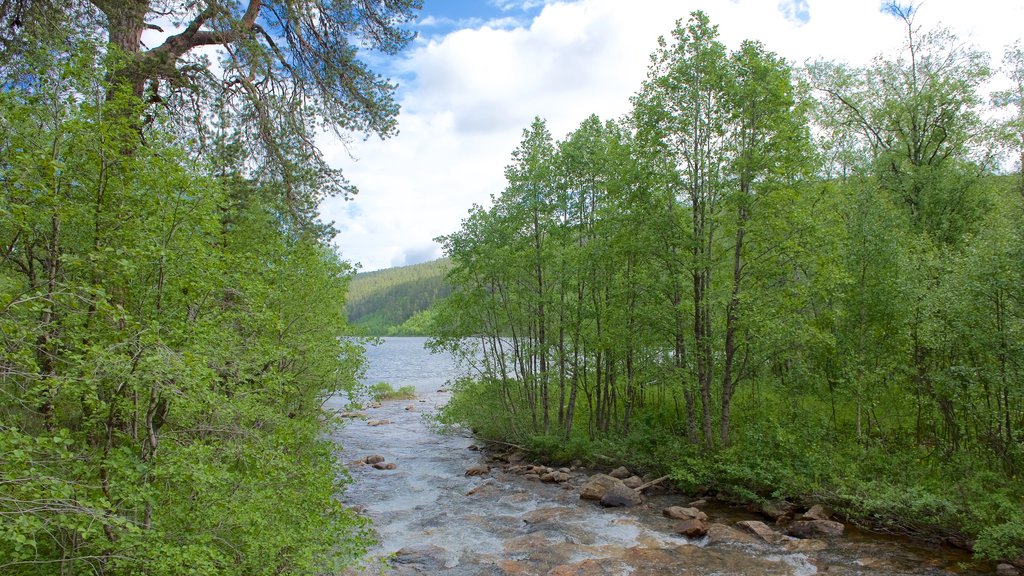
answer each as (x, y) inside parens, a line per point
(597, 485)
(385, 466)
(621, 473)
(817, 512)
(762, 531)
(778, 510)
(556, 477)
(620, 495)
(698, 503)
(633, 482)
(484, 488)
(478, 470)
(815, 528)
(531, 477)
(1007, 570)
(691, 528)
(680, 513)
(722, 534)
(373, 459)
(424, 558)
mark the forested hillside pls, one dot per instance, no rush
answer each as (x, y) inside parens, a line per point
(397, 301)
(769, 283)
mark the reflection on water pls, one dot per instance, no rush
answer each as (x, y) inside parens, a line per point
(510, 525)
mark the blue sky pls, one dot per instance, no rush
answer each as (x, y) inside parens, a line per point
(481, 70)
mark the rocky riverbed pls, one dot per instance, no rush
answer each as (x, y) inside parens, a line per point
(441, 506)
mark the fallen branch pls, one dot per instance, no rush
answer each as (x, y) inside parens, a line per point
(646, 485)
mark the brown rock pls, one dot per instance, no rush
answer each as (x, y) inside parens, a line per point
(817, 512)
(531, 477)
(621, 473)
(633, 482)
(410, 407)
(557, 477)
(620, 495)
(761, 530)
(691, 528)
(373, 459)
(804, 546)
(815, 528)
(478, 470)
(385, 466)
(378, 422)
(597, 485)
(722, 534)
(484, 488)
(680, 513)
(778, 510)
(698, 503)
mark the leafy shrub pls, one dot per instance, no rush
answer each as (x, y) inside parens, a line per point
(384, 391)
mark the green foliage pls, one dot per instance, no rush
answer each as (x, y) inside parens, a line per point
(397, 301)
(168, 337)
(384, 391)
(704, 290)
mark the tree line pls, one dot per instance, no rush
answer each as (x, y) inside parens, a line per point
(170, 304)
(769, 281)
(396, 301)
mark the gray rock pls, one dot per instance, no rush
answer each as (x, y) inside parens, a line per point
(424, 558)
(620, 495)
(1007, 570)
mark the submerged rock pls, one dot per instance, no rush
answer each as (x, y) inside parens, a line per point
(385, 466)
(722, 534)
(425, 558)
(378, 422)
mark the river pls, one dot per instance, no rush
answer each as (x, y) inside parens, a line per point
(430, 518)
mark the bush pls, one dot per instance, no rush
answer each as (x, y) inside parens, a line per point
(383, 391)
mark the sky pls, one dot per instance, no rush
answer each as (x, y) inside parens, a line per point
(481, 70)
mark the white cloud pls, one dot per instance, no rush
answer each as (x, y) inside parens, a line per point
(476, 88)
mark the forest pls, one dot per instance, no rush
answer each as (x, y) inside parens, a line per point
(170, 301)
(396, 301)
(769, 282)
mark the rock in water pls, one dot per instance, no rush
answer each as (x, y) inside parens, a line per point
(597, 485)
(815, 528)
(762, 531)
(425, 558)
(691, 528)
(680, 513)
(385, 466)
(478, 470)
(621, 473)
(817, 512)
(373, 459)
(556, 477)
(633, 482)
(620, 495)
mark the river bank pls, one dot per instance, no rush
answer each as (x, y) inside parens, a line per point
(430, 517)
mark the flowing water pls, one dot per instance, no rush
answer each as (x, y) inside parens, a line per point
(431, 518)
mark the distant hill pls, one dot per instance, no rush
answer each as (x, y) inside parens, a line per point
(396, 301)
